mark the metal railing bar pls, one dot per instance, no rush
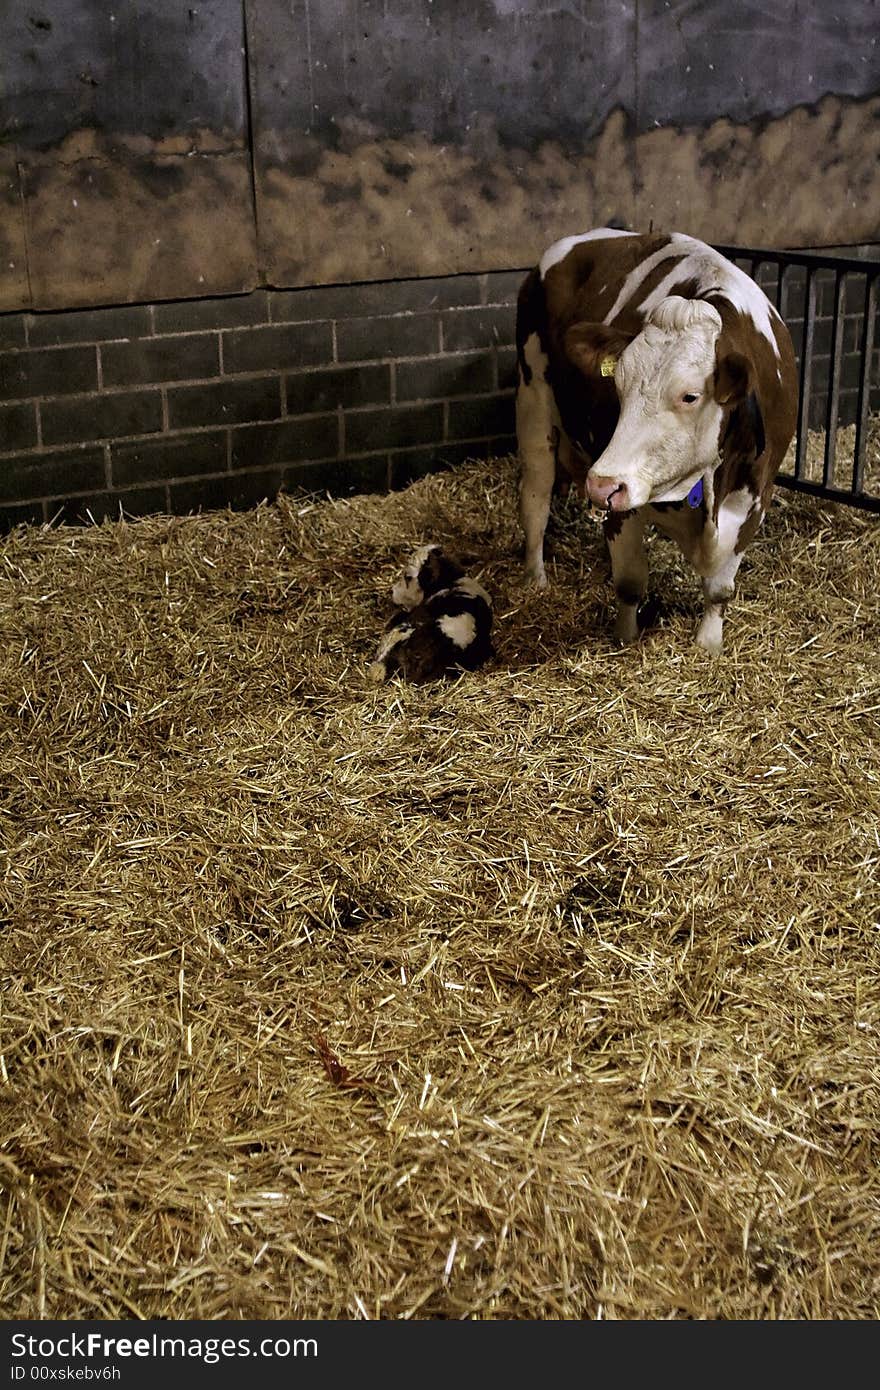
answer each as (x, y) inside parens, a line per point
(832, 405)
(864, 500)
(814, 259)
(866, 350)
(806, 364)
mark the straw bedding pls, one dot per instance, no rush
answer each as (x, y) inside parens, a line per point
(549, 992)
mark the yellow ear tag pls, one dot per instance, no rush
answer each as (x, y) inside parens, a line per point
(607, 365)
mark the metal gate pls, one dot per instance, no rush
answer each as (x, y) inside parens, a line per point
(830, 305)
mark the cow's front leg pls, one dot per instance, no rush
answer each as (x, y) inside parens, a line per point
(624, 533)
(537, 432)
(718, 590)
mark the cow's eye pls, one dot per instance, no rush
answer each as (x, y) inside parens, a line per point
(689, 397)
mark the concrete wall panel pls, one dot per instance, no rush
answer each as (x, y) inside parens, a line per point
(402, 138)
(409, 138)
(125, 171)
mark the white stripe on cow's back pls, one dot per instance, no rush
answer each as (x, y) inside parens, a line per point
(712, 273)
(560, 249)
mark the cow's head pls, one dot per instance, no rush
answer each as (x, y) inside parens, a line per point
(677, 387)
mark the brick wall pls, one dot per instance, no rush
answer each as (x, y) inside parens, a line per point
(220, 402)
(215, 402)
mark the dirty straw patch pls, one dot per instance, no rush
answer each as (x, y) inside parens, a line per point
(553, 992)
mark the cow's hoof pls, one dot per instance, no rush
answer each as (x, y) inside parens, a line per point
(710, 634)
(626, 628)
(648, 612)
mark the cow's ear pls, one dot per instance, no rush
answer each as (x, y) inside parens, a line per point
(595, 347)
(743, 436)
(733, 378)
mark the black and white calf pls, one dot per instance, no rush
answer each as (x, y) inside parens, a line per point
(443, 627)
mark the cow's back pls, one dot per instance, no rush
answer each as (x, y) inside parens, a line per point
(586, 283)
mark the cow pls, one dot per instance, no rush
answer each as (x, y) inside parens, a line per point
(656, 376)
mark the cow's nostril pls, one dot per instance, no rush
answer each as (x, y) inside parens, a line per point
(620, 493)
(602, 489)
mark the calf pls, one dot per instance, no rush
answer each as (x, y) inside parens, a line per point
(657, 376)
(444, 625)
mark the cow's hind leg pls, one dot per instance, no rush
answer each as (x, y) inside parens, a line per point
(537, 430)
(718, 590)
(629, 569)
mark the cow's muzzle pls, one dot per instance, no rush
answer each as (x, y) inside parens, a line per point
(609, 493)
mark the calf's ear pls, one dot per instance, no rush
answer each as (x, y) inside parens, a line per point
(441, 571)
(733, 378)
(595, 347)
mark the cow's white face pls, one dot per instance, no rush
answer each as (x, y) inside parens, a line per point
(667, 434)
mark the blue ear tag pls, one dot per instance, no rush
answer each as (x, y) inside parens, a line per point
(695, 496)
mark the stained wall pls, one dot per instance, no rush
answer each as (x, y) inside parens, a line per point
(152, 149)
(125, 167)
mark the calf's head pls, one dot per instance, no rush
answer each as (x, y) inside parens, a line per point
(428, 571)
(677, 388)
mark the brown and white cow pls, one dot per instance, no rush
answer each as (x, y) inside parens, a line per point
(655, 373)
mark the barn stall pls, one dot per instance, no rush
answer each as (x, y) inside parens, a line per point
(546, 992)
